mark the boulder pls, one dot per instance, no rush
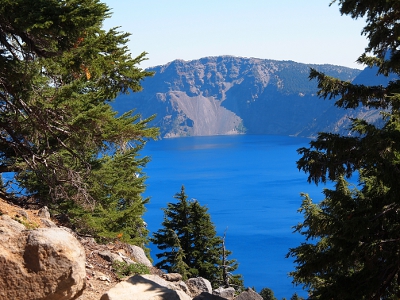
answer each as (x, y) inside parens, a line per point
(110, 256)
(208, 296)
(182, 286)
(198, 285)
(47, 222)
(22, 213)
(172, 277)
(227, 293)
(145, 287)
(44, 212)
(45, 263)
(249, 294)
(139, 256)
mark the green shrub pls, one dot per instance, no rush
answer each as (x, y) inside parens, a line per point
(123, 269)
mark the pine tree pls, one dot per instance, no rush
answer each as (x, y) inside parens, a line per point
(353, 235)
(175, 225)
(201, 248)
(296, 297)
(206, 245)
(59, 136)
(179, 265)
(267, 294)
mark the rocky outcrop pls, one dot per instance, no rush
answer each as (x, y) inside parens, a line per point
(172, 277)
(111, 256)
(44, 263)
(208, 296)
(138, 255)
(49, 263)
(227, 293)
(249, 294)
(198, 285)
(44, 212)
(145, 287)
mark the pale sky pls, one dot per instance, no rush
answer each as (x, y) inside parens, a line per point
(305, 31)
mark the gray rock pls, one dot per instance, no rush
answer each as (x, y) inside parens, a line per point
(182, 286)
(9, 231)
(44, 212)
(172, 277)
(227, 293)
(208, 296)
(8, 225)
(105, 255)
(124, 258)
(139, 256)
(23, 213)
(249, 294)
(45, 263)
(144, 287)
(110, 256)
(48, 223)
(198, 285)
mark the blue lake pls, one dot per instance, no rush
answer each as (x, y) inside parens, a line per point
(251, 187)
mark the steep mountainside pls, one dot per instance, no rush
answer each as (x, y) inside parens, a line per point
(230, 95)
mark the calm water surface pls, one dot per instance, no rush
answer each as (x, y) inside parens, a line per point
(251, 187)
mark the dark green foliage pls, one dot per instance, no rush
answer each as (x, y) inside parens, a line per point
(296, 297)
(353, 235)
(267, 294)
(175, 234)
(189, 242)
(59, 135)
(179, 265)
(123, 269)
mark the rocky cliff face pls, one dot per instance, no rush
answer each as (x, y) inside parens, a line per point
(231, 95)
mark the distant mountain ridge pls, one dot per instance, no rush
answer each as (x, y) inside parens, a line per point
(233, 95)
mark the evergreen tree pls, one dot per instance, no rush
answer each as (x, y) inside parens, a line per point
(175, 226)
(296, 297)
(201, 248)
(267, 294)
(179, 265)
(206, 247)
(58, 133)
(353, 237)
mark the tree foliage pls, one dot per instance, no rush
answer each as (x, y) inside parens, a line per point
(59, 136)
(296, 297)
(189, 242)
(353, 236)
(267, 294)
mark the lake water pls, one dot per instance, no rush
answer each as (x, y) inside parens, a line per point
(251, 186)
